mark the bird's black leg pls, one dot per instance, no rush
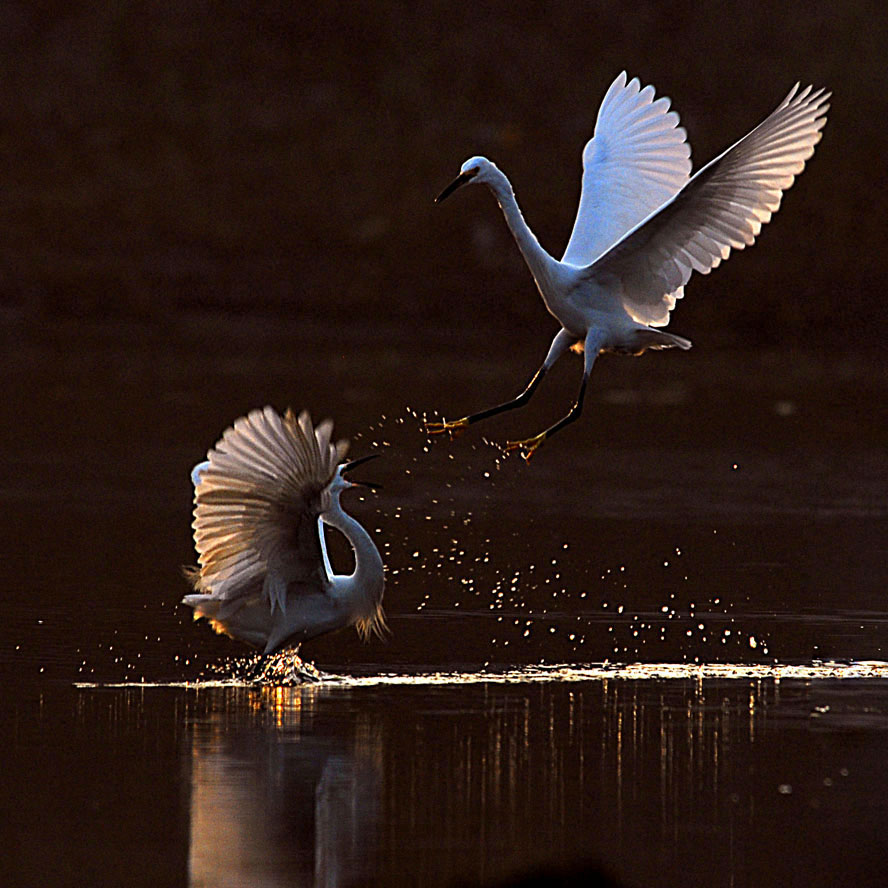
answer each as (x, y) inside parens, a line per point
(560, 344)
(529, 446)
(520, 401)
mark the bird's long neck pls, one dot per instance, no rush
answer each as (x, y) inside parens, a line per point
(363, 587)
(542, 266)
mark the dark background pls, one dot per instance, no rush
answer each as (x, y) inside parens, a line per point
(281, 158)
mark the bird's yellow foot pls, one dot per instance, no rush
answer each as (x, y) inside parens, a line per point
(455, 427)
(528, 446)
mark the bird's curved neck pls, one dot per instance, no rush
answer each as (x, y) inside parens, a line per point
(542, 266)
(364, 585)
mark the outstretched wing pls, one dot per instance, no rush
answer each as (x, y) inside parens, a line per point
(636, 160)
(257, 505)
(722, 207)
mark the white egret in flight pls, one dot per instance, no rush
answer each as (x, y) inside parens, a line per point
(261, 502)
(644, 226)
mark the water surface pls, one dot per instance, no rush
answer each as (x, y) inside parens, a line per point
(656, 651)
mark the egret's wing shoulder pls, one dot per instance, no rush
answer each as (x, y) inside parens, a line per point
(257, 503)
(198, 470)
(636, 160)
(722, 207)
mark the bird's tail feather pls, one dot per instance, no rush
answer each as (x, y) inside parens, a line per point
(643, 338)
(669, 340)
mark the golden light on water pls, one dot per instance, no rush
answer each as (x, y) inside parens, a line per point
(594, 672)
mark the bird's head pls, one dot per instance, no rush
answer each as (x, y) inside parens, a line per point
(474, 170)
(340, 482)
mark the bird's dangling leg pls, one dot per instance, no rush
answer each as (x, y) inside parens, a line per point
(529, 446)
(457, 426)
(560, 344)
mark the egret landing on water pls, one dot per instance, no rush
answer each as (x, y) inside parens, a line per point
(644, 226)
(261, 503)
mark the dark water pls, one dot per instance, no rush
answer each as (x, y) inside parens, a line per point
(676, 782)
(211, 207)
(723, 513)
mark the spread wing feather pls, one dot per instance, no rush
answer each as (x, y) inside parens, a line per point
(636, 160)
(722, 207)
(257, 504)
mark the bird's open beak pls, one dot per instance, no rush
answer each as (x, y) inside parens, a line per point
(458, 182)
(347, 467)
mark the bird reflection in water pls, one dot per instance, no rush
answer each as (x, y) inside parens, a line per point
(270, 801)
(330, 784)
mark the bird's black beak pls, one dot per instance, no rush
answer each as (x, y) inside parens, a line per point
(458, 182)
(347, 467)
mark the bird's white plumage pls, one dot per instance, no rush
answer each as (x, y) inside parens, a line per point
(262, 500)
(722, 207)
(637, 159)
(257, 505)
(643, 227)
